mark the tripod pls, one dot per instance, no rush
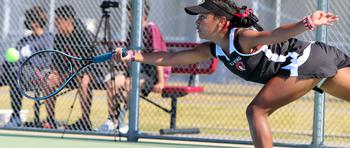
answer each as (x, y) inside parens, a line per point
(107, 38)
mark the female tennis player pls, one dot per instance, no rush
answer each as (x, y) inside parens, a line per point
(274, 58)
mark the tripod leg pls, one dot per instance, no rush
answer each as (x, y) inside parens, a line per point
(70, 113)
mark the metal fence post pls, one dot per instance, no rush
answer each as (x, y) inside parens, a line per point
(319, 100)
(136, 40)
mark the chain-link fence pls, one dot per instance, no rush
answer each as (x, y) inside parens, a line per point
(216, 113)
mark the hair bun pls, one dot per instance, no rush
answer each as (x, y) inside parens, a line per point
(243, 7)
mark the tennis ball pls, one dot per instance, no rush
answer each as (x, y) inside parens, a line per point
(12, 55)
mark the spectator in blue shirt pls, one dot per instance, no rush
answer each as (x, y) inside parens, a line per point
(39, 39)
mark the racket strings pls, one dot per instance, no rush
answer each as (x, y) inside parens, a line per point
(44, 73)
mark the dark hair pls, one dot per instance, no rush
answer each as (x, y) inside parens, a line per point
(68, 12)
(35, 14)
(146, 7)
(238, 20)
(65, 11)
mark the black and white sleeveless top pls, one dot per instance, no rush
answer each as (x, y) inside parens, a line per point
(283, 58)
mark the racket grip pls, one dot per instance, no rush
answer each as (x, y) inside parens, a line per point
(107, 56)
(102, 57)
(124, 52)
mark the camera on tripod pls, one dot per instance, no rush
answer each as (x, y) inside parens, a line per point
(109, 4)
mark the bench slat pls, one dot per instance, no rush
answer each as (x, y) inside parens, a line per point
(183, 89)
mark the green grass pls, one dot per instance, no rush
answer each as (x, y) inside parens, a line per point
(219, 113)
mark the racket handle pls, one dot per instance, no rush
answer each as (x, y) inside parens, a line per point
(102, 57)
(124, 52)
(107, 56)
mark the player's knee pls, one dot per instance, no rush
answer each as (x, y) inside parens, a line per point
(254, 110)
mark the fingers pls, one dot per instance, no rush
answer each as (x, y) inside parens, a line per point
(119, 56)
(324, 18)
(331, 17)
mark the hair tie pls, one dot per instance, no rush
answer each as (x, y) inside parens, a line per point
(245, 14)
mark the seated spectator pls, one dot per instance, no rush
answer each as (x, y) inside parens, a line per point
(152, 78)
(39, 39)
(73, 38)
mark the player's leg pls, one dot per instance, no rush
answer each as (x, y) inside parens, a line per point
(16, 104)
(148, 84)
(85, 92)
(339, 85)
(15, 94)
(128, 87)
(114, 90)
(50, 105)
(124, 104)
(275, 94)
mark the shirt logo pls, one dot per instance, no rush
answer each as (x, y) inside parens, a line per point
(238, 64)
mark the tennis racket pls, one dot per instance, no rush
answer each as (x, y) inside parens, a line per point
(49, 71)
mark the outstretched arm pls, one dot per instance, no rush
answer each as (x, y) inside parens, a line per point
(250, 38)
(197, 54)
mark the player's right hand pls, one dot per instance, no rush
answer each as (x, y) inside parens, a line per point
(119, 57)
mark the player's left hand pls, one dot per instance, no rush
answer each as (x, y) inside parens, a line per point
(319, 18)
